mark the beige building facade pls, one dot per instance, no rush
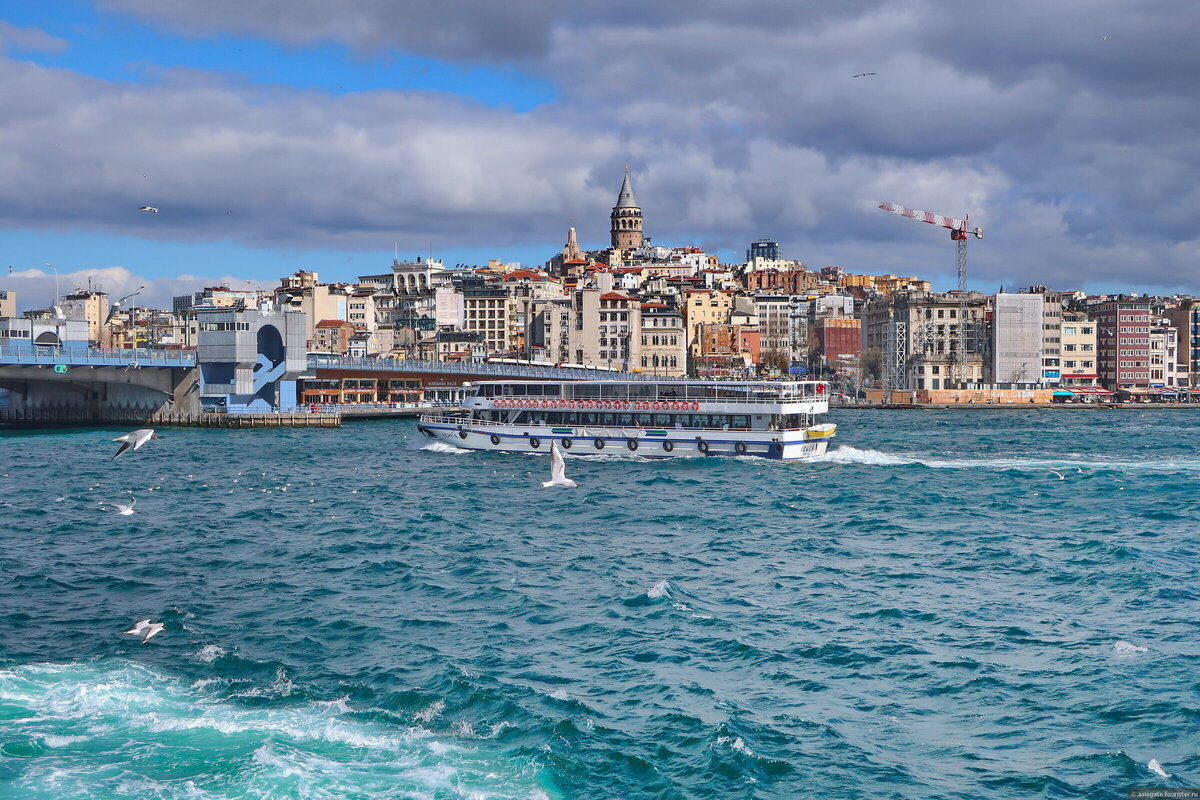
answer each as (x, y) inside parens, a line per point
(1078, 350)
(663, 341)
(705, 307)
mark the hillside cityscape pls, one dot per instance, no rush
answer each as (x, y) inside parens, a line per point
(669, 310)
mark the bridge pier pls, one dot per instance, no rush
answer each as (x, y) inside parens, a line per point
(96, 394)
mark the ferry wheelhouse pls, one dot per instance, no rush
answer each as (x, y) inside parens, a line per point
(655, 419)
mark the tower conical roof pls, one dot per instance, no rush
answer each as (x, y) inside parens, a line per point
(626, 198)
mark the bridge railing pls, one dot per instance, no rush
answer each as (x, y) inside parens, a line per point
(95, 356)
(482, 370)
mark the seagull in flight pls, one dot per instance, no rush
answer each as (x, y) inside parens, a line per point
(863, 75)
(122, 509)
(149, 209)
(1061, 477)
(135, 440)
(558, 469)
(146, 629)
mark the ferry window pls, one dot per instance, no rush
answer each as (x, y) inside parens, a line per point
(642, 420)
(740, 421)
(700, 421)
(589, 419)
(662, 420)
(684, 420)
(625, 420)
(608, 419)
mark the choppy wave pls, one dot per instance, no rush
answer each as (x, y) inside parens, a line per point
(309, 750)
(404, 623)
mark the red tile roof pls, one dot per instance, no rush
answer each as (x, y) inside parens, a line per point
(332, 323)
(615, 296)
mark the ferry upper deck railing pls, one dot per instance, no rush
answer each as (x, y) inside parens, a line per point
(758, 394)
(629, 430)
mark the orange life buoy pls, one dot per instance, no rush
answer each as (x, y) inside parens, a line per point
(695, 406)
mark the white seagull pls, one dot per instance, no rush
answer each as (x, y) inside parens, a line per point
(124, 510)
(1061, 477)
(135, 440)
(558, 469)
(146, 629)
(149, 209)
(863, 75)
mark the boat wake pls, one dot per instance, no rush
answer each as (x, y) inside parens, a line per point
(846, 454)
(77, 718)
(442, 447)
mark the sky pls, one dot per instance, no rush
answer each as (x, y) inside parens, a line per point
(279, 135)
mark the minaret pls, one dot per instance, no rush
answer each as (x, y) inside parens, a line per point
(626, 218)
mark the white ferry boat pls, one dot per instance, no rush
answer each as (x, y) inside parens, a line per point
(655, 419)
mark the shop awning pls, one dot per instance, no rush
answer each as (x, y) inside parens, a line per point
(1063, 393)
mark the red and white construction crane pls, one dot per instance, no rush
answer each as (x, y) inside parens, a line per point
(959, 229)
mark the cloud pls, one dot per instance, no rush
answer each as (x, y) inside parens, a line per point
(36, 288)
(739, 120)
(30, 39)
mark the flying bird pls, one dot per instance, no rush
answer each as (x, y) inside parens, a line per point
(124, 510)
(1061, 477)
(863, 75)
(150, 209)
(146, 629)
(135, 440)
(558, 469)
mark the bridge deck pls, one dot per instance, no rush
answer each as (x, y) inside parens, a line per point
(94, 357)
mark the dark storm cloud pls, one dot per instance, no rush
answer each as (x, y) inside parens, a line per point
(740, 119)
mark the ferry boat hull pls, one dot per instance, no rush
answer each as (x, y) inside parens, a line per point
(790, 445)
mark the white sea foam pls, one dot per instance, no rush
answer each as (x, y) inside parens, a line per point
(432, 711)
(1157, 769)
(659, 590)
(1128, 648)
(61, 741)
(735, 744)
(560, 694)
(209, 653)
(845, 454)
(442, 447)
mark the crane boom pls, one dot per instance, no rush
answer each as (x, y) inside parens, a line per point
(926, 216)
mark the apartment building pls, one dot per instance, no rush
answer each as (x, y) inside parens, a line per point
(663, 340)
(1123, 343)
(1079, 363)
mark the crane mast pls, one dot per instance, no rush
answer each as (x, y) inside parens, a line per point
(959, 229)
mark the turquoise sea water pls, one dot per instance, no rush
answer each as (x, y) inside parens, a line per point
(930, 612)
